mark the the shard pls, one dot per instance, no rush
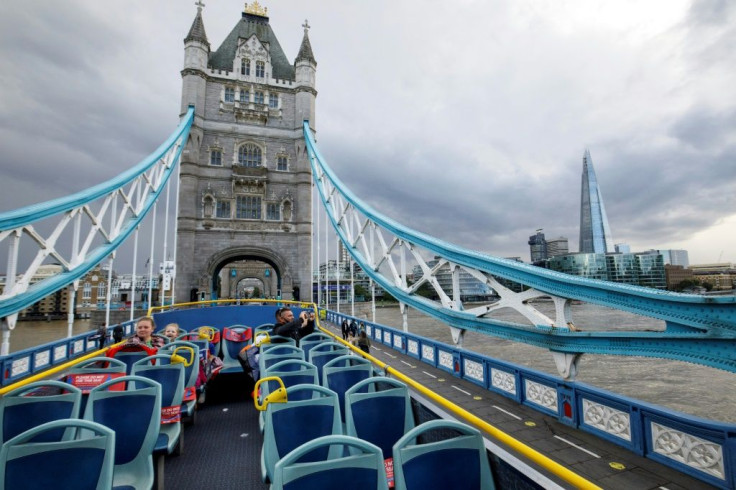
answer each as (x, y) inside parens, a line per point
(595, 234)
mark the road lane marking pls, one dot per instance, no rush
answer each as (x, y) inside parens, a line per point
(430, 375)
(461, 390)
(411, 366)
(507, 412)
(390, 355)
(577, 447)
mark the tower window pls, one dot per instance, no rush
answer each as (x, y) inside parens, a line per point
(273, 212)
(260, 69)
(229, 94)
(216, 158)
(273, 101)
(282, 163)
(223, 209)
(245, 66)
(248, 207)
(258, 97)
(249, 155)
(244, 95)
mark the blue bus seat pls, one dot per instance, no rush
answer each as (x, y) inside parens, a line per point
(130, 358)
(362, 470)
(135, 436)
(37, 403)
(191, 373)
(366, 408)
(276, 340)
(309, 341)
(234, 338)
(171, 379)
(214, 342)
(291, 424)
(292, 372)
(93, 372)
(264, 327)
(27, 464)
(457, 462)
(341, 373)
(321, 354)
(277, 353)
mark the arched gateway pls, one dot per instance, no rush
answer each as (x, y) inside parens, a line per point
(226, 269)
(245, 184)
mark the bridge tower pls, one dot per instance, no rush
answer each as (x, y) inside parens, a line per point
(245, 184)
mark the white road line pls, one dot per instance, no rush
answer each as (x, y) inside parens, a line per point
(410, 365)
(507, 412)
(376, 348)
(431, 375)
(664, 488)
(390, 355)
(578, 447)
(461, 391)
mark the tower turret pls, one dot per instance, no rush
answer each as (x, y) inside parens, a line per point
(196, 55)
(306, 70)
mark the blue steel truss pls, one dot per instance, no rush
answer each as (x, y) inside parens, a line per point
(698, 329)
(109, 212)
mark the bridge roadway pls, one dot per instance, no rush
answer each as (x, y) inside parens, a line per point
(602, 462)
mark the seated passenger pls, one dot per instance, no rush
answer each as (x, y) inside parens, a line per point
(296, 328)
(143, 339)
(171, 331)
(144, 334)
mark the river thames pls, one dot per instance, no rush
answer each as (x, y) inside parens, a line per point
(689, 388)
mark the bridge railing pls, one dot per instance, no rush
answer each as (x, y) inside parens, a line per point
(701, 448)
(34, 360)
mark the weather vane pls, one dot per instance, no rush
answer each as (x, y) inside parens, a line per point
(305, 25)
(199, 5)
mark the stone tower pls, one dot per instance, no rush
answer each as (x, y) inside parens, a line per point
(245, 185)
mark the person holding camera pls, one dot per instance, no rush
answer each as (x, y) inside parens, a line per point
(296, 328)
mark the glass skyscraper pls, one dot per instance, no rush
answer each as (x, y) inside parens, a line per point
(595, 234)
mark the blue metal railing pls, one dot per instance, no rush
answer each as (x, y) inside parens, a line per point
(707, 449)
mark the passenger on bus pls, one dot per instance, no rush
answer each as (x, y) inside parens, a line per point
(144, 334)
(296, 328)
(171, 331)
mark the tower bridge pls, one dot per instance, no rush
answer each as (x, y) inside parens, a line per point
(248, 162)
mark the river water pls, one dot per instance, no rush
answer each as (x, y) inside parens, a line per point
(689, 388)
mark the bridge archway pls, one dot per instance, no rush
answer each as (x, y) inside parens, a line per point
(275, 270)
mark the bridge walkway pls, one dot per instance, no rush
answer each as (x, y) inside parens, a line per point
(602, 462)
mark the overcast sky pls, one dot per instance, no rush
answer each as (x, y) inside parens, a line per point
(466, 120)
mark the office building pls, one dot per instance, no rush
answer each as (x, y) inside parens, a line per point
(595, 234)
(537, 247)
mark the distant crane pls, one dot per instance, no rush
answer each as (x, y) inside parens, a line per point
(719, 257)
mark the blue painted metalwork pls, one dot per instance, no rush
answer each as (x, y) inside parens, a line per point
(27, 362)
(68, 207)
(701, 448)
(698, 329)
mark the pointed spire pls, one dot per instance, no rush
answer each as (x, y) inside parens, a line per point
(305, 51)
(196, 32)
